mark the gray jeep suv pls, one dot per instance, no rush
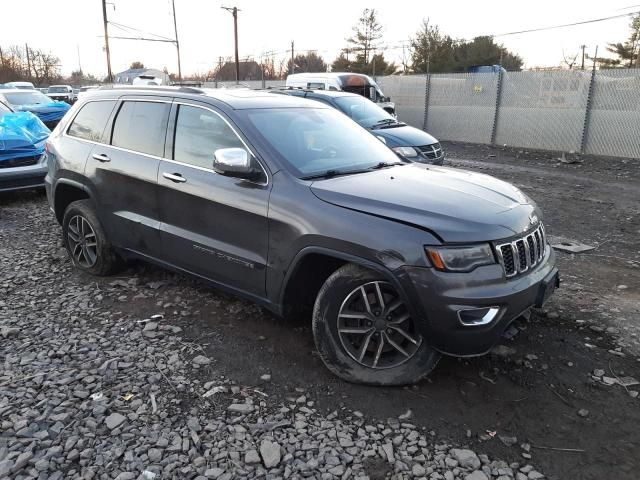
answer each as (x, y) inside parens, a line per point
(293, 205)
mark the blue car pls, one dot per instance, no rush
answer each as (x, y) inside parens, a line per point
(22, 160)
(410, 143)
(47, 110)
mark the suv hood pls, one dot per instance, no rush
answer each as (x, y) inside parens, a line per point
(455, 205)
(405, 136)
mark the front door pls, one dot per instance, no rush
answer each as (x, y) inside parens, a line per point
(212, 225)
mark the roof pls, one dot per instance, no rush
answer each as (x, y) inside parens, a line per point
(237, 98)
(17, 90)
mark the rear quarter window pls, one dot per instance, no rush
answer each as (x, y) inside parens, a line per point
(91, 120)
(141, 127)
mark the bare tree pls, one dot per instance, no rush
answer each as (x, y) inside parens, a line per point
(568, 60)
(23, 63)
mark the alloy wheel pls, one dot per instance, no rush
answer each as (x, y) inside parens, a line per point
(83, 243)
(376, 328)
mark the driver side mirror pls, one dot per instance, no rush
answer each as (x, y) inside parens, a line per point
(233, 162)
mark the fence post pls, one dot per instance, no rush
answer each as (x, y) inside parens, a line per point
(427, 92)
(587, 112)
(494, 128)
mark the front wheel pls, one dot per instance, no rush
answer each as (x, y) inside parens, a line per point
(86, 241)
(364, 332)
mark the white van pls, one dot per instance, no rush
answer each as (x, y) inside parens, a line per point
(344, 81)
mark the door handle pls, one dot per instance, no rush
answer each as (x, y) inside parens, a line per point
(174, 177)
(101, 157)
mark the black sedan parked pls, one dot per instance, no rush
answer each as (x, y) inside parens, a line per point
(409, 142)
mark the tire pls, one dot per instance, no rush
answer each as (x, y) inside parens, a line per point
(80, 217)
(341, 339)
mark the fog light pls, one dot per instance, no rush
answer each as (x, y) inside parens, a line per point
(474, 317)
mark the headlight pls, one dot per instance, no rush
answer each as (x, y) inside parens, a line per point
(460, 259)
(407, 152)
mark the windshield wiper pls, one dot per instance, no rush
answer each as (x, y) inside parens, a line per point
(334, 173)
(385, 165)
(384, 122)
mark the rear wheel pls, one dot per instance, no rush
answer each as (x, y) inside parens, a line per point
(86, 242)
(365, 333)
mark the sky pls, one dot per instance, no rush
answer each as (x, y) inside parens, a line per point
(73, 29)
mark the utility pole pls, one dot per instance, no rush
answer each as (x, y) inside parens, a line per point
(293, 65)
(234, 11)
(79, 63)
(583, 48)
(175, 28)
(106, 41)
(26, 47)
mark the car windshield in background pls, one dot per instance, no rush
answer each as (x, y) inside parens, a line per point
(363, 111)
(26, 98)
(4, 109)
(319, 141)
(57, 90)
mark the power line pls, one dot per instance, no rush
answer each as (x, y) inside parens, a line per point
(133, 29)
(584, 22)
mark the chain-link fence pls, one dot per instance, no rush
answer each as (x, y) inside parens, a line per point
(613, 127)
(253, 84)
(543, 109)
(583, 111)
(408, 93)
(463, 104)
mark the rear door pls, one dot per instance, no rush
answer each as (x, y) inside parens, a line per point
(212, 225)
(125, 172)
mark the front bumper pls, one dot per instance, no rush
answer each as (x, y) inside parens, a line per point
(20, 178)
(438, 298)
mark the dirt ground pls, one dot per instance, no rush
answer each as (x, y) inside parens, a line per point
(540, 391)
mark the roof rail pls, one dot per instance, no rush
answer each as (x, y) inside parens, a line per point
(160, 88)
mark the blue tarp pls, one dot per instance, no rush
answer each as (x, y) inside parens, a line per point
(22, 134)
(47, 112)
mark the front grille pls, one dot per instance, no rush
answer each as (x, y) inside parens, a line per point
(523, 253)
(432, 152)
(20, 162)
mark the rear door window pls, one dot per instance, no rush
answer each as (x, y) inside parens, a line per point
(141, 126)
(91, 120)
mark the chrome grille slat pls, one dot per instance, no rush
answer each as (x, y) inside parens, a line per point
(432, 152)
(522, 254)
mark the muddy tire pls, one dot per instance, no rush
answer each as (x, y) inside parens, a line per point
(86, 242)
(364, 333)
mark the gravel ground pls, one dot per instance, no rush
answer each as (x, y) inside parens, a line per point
(154, 375)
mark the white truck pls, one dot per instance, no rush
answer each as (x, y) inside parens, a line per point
(63, 93)
(345, 81)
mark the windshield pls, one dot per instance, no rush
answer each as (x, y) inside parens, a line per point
(363, 111)
(57, 90)
(26, 98)
(315, 141)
